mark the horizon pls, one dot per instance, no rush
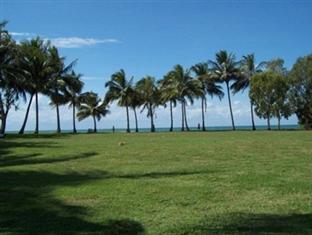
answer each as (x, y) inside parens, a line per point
(146, 38)
(285, 127)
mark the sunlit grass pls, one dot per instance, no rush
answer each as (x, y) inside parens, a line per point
(161, 183)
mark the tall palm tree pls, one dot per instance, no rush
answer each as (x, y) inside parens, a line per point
(11, 81)
(72, 92)
(149, 93)
(187, 88)
(5, 51)
(135, 102)
(57, 85)
(248, 69)
(34, 62)
(92, 105)
(120, 89)
(208, 86)
(226, 69)
(168, 93)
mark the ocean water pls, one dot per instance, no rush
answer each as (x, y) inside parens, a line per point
(176, 129)
(213, 128)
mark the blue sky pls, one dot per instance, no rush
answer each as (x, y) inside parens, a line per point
(150, 37)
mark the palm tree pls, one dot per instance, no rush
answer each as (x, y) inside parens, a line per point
(149, 94)
(135, 102)
(11, 90)
(226, 69)
(248, 69)
(208, 86)
(34, 62)
(5, 51)
(91, 105)
(187, 88)
(168, 93)
(56, 85)
(11, 81)
(120, 89)
(72, 92)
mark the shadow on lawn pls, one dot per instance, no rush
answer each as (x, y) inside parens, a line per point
(28, 207)
(39, 136)
(30, 159)
(257, 224)
(9, 158)
(7, 145)
(159, 174)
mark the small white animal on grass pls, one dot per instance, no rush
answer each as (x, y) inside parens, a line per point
(121, 143)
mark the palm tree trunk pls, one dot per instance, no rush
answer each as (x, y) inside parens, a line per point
(2, 128)
(3, 125)
(268, 121)
(279, 122)
(94, 122)
(252, 117)
(136, 120)
(22, 130)
(152, 118)
(128, 124)
(230, 104)
(182, 111)
(58, 130)
(37, 114)
(185, 118)
(171, 117)
(203, 114)
(2, 117)
(74, 119)
(4, 120)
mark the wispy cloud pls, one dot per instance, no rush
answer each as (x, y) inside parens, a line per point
(22, 34)
(76, 42)
(68, 42)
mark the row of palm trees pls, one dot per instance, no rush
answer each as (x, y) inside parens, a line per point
(43, 71)
(35, 67)
(183, 86)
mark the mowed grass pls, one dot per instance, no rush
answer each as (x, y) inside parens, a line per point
(157, 183)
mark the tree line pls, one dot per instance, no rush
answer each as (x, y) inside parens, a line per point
(34, 67)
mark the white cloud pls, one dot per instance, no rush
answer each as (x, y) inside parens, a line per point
(76, 42)
(21, 34)
(68, 42)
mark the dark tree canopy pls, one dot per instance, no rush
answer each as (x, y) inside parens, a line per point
(301, 90)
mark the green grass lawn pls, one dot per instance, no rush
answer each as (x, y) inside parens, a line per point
(160, 183)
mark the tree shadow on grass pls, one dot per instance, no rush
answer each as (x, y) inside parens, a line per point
(256, 224)
(9, 144)
(26, 202)
(161, 174)
(31, 159)
(27, 207)
(8, 147)
(8, 157)
(39, 136)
